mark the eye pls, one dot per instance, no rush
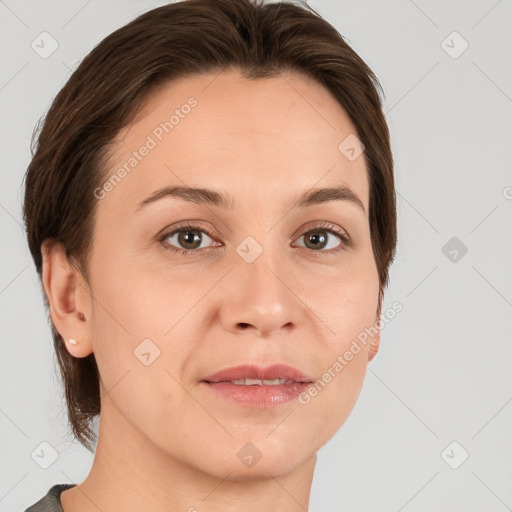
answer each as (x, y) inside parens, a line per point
(188, 237)
(321, 237)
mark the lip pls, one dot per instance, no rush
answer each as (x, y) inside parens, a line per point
(263, 396)
(252, 371)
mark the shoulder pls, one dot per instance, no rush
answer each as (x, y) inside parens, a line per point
(51, 501)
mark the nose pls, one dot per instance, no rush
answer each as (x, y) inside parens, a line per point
(261, 297)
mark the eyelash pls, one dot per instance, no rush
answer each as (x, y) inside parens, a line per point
(321, 226)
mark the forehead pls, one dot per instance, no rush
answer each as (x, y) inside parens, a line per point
(253, 138)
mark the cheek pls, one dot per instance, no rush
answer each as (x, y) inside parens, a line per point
(140, 367)
(329, 401)
(345, 303)
(132, 300)
(347, 307)
(145, 325)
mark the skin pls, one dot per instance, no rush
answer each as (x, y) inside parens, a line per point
(166, 443)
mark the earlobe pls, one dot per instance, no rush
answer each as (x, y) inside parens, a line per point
(65, 299)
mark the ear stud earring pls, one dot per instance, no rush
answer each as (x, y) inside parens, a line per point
(73, 342)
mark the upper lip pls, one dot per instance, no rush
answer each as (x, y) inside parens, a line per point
(251, 371)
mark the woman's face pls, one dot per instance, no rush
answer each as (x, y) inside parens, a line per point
(254, 287)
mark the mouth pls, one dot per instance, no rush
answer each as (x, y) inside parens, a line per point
(259, 382)
(253, 386)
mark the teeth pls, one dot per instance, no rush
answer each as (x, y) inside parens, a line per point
(258, 382)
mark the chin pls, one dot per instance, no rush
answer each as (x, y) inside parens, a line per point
(258, 460)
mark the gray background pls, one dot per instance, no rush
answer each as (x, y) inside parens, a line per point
(443, 372)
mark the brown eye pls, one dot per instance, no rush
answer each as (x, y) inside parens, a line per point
(320, 239)
(189, 239)
(325, 237)
(186, 239)
(315, 240)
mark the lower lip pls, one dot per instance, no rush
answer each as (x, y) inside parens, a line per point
(259, 396)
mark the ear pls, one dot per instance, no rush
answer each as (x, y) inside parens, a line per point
(374, 347)
(69, 300)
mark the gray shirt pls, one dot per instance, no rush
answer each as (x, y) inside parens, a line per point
(51, 501)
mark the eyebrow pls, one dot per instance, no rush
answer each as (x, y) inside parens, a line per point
(214, 198)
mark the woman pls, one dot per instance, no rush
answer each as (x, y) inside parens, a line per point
(211, 209)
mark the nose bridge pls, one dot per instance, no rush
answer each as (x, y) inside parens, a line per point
(261, 264)
(261, 295)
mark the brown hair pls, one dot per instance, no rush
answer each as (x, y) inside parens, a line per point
(171, 42)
